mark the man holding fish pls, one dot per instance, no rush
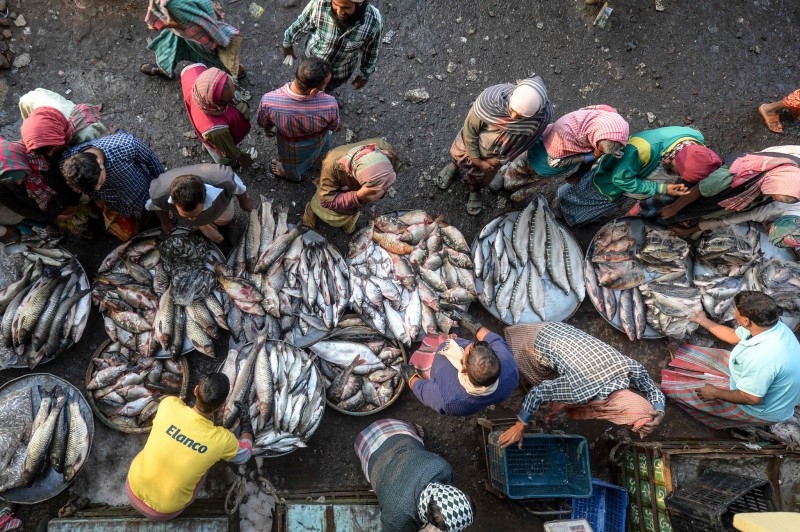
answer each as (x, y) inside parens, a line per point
(183, 445)
(465, 377)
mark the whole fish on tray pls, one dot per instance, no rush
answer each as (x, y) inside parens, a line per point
(283, 390)
(54, 436)
(664, 252)
(283, 280)
(127, 387)
(729, 250)
(512, 269)
(404, 269)
(669, 308)
(45, 309)
(780, 279)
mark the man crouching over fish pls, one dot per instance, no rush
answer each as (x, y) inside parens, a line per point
(757, 383)
(586, 377)
(183, 445)
(200, 196)
(413, 486)
(465, 377)
(352, 177)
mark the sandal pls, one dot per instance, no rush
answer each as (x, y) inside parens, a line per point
(151, 69)
(446, 175)
(772, 121)
(474, 204)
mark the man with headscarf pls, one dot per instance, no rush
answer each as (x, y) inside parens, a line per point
(413, 486)
(568, 147)
(191, 30)
(340, 32)
(24, 190)
(456, 377)
(352, 177)
(577, 373)
(503, 123)
(219, 119)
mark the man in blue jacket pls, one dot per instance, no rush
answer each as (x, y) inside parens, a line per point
(466, 377)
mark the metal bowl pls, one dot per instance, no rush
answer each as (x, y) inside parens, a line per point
(369, 334)
(101, 416)
(52, 483)
(558, 306)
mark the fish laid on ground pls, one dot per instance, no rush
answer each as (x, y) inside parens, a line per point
(403, 272)
(512, 268)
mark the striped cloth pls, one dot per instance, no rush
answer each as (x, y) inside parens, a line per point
(207, 90)
(580, 131)
(583, 203)
(694, 367)
(16, 161)
(371, 438)
(196, 20)
(337, 44)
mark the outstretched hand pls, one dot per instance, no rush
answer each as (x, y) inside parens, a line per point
(512, 435)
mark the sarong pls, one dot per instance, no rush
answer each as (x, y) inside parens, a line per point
(422, 359)
(335, 219)
(623, 407)
(297, 157)
(582, 203)
(170, 49)
(695, 367)
(140, 506)
(533, 368)
(371, 438)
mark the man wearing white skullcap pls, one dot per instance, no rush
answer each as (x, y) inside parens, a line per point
(503, 123)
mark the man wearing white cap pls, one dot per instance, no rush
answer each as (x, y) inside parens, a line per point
(340, 32)
(503, 123)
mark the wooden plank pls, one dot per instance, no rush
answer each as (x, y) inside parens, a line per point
(138, 524)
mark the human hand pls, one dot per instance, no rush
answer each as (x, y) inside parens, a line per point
(368, 195)
(246, 203)
(707, 393)
(215, 237)
(270, 131)
(650, 426)
(358, 82)
(680, 230)
(669, 211)
(289, 56)
(698, 318)
(245, 160)
(167, 226)
(244, 417)
(677, 190)
(512, 435)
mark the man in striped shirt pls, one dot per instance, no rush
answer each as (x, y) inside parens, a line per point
(303, 116)
(340, 31)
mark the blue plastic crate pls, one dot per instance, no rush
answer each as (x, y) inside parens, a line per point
(605, 509)
(547, 466)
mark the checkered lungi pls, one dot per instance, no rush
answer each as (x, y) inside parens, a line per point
(696, 366)
(582, 203)
(371, 438)
(297, 157)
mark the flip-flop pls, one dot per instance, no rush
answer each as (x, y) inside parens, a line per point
(773, 122)
(474, 204)
(446, 175)
(151, 69)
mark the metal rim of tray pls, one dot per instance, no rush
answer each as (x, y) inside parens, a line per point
(654, 334)
(86, 411)
(212, 248)
(493, 310)
(400, 387)
(86, 302)
(101, 416)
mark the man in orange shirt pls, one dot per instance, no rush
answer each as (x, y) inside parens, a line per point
(183, 445)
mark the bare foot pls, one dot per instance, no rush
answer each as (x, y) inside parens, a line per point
(276, 167)
(771, 119)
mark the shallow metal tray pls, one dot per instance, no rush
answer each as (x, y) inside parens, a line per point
(558, 306)
(637, 233)
(52, 483)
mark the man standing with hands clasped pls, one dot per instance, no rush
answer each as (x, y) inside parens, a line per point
(340, 32)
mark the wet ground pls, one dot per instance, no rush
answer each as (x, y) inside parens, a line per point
(706, 64)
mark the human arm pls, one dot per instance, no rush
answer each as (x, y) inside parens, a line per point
(222, 140)
(303, 24)
(144, 155)
(429, 393)
(678, 205)
(369, 54)
(264, 118)
(470, 134)
(709, 392)
(167, 224)
(722, 332)
(765, 213)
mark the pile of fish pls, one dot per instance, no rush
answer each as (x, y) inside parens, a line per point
(779, 279)
(127, 386)
(522, 254)
(45, 309)
(283, 390)
(630, 307)
(277, 277)
(404, 269)
(670, 306)
(664, 253)
(614, 257)
(159, 293)
(717, 295)
(360, 369)
(729, 251)
(56, 437)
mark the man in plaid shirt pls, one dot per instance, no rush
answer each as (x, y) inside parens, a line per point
(340, 31)
(579, 374)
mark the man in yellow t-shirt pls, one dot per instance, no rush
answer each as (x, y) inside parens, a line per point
(166, 476)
